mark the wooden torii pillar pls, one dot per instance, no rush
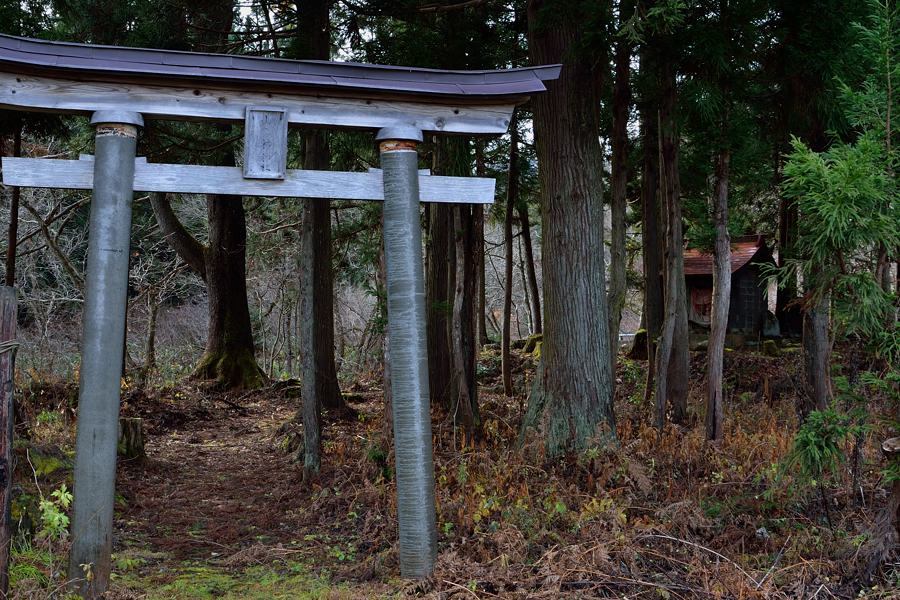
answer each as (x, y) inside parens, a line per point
(122, 87)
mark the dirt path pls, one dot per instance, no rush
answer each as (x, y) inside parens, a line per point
(218, 508)
(213, 481)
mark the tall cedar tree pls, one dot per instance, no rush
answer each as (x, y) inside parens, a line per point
(512, 197)
(313, 41)
(672, 357)
(621, 102)
(454, 159)
(651, 234)
(726, 81)
(571, 403)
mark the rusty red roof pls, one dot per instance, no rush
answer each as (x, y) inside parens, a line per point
(743, 249)
(111, 62)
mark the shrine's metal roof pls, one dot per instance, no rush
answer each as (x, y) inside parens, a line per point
(113, 62)
(743, 249)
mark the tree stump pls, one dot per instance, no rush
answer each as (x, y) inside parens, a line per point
(638, 349)
(131, 438)
(531, 343)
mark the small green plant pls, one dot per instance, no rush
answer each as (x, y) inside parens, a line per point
(379, 456)
(817, 451)
(817, 448)
(462, 473)
(344, 554)
(128, 563)
(54, 521)
(46, 417)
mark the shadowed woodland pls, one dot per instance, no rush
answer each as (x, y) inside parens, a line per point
(664, 363)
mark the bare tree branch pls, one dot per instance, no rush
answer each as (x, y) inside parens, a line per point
(70, 269)
(183, 243)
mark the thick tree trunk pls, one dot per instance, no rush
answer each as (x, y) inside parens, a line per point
(438, 302)
(680, 363)
(720, 300)
(311, 406)
(313, 42)
(229, 358)
(572, 401)
(512, 197)
(13, 231)
(464, 391)
(666, 341)
(533, 290)
(651, 245)
(324, 367)
(131, 438)
(672, 374)
(618, 204)
(465, 401)
(817, 353)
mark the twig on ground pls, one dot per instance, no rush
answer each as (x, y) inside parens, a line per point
(467, 590)
(774, 563)
(701, 547)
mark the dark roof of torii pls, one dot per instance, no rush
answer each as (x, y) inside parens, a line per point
(113, 62)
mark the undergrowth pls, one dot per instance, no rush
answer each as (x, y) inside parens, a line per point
(660, 514)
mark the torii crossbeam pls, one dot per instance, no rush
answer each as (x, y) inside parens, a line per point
(121, 88)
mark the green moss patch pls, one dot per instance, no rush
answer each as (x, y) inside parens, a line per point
(284, 581)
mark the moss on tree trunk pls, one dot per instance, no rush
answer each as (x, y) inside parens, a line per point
(229, 358)
(230, 368)
(571, 404)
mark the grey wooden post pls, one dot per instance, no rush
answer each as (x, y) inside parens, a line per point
(102, 349)
(408, 350)
(8, 346)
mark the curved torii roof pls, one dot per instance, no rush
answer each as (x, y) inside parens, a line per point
(111, 63)
(267, 93)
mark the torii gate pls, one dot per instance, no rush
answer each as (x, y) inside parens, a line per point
(121, 87)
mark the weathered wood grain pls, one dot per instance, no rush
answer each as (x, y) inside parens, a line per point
(33, 93)
(191, 179)
(265, 143)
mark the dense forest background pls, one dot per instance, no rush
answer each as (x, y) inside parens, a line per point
(591, 441)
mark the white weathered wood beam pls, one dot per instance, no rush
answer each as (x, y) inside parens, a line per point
(32, 93)
(191, 179)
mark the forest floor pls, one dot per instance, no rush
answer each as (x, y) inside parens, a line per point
(218, 509)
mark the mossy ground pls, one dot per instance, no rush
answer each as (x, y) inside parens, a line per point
(277, 581)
